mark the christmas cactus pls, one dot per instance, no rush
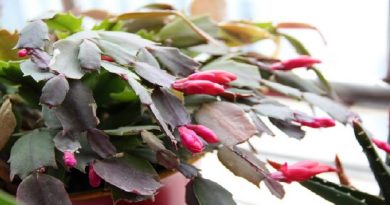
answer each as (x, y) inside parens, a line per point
(111, 107)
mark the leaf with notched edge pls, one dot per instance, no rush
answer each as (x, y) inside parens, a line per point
(67, 141)
(240, 167)
(128, 41)
(210, 193)
(100, 143)
(145, 56)
(31, 69)
(65, 58)
(161, 122)
(118, 53)
(336, 110)
(7, 122)
(131, 174)
(42, 189)
(154, 75)
(32, 151)
(89, 56)
(54, 91)
(171, 108)
(288, 128)
(228, 121)
(51, 120)
(7, 44)
(174, 60)
(77, 111)
(260, 125)
(33, 35)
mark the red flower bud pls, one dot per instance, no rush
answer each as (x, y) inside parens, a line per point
(69, 159)
(318, 123)
(301, 61)
(106, 58)
(22, 53)
(215, 76)
(191, 87)
(94, 179)
(381, 145)
(300, 171)
(207, 134)
(190, 140)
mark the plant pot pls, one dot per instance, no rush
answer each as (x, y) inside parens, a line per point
(172, 192)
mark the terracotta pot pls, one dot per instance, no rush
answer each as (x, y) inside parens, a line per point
(172, 193)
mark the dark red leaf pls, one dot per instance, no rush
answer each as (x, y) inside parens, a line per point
(171, 108)
(128, 175)
(77, 111)
(54, 91)
(100, 143)
(42, 189)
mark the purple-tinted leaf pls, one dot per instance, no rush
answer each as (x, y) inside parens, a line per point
(33, 35)
(153, 75)
(336, 110)
(171, 108)
(54, 91)
(240, 167)
(131, 175)
(118, 53)
(288, 128)
(51, 120)
(42, 189)
(40, 58)
(32, 151)
(89, 56)
(85, 155)
(190, 195)
(100, 143)
(31, 69)
(210, 193)
(141, 91)
(175, 61)
(68, 141)
(164, 156)
(260, 125)
(65, 59)
(164, 127)
(128, 41)
(274, 187)
(228, 121)
(188, 170)
(145, 56)
(77, 111)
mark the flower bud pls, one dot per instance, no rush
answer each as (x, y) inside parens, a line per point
(301, 61)
(69, 159)
(318, 123)
(300, 171)
(94, 179)
(206, 133)
(22, 53)
(191, 87)
(215, 76)
(107, 58)
(381, 145)
(190, 140)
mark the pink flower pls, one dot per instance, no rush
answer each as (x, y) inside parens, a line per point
(94, 179)
(300, 171)
(22, 53)
(190, 140)
(318, 123)
(106, 58)
(381, 145)
(301, 61)
(69, 159)
(191, 87)
(215, 76)
(206, 133)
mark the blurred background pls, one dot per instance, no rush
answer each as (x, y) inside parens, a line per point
(355, 59)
